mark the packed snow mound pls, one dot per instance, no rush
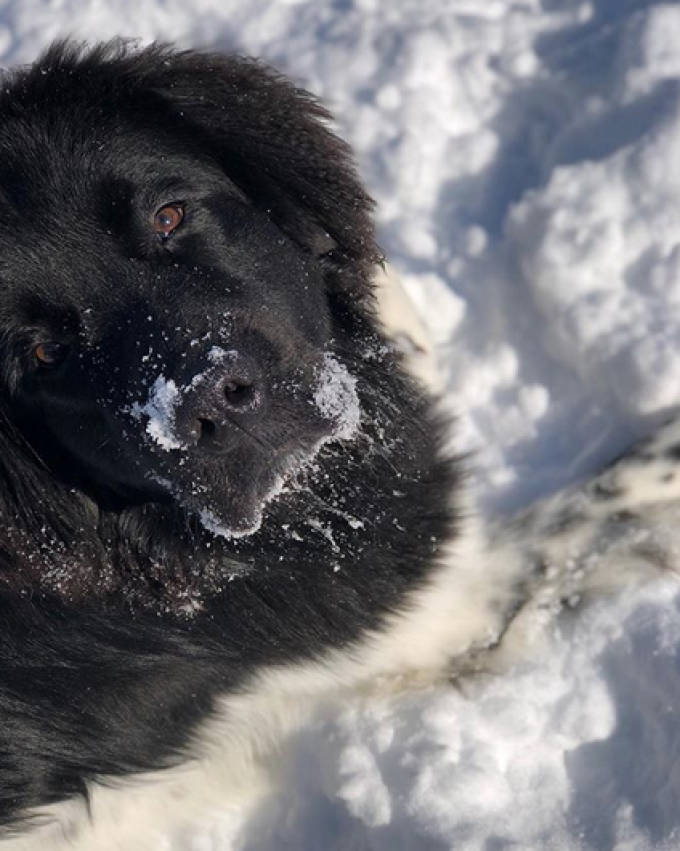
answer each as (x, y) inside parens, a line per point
(547, 757)
(525, 155)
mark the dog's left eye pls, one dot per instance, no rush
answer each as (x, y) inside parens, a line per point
(50, 355)
(168, 219)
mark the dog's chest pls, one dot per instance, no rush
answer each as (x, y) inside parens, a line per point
(208, 795)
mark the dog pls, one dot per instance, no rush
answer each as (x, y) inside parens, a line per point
(223, 496)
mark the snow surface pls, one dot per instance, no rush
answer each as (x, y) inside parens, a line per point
(526, 158)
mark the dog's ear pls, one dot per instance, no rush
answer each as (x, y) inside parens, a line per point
(273, 140)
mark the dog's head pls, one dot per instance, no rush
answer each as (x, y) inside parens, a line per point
(183, 245)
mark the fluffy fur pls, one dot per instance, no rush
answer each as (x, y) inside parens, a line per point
(222, 498)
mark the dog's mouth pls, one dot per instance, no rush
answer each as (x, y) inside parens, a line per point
(227, 481)
(230, 496)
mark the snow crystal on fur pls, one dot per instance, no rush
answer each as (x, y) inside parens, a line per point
(160, 410)
(336, 397)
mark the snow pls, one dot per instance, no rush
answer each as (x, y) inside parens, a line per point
(548, 758)
(336, 398)
(525, 157)
(159, 413)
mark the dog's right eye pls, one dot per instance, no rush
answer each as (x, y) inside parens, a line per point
(168, 219)
(50, 355)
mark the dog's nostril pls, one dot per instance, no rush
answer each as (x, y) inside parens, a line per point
(239, 394)
(208, 428)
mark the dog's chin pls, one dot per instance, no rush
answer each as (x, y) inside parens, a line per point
(234, 504)
(237, 515)
(230, 494)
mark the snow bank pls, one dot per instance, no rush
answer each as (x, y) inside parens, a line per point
(526, 158)
(545, 758)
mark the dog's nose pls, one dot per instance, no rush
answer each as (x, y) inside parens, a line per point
(217, 398)
(239, 387)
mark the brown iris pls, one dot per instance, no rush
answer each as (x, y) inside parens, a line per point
(50, 355)
(168, 219)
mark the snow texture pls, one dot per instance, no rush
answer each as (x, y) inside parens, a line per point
(336, 398)
(525, 155)
(159, 413)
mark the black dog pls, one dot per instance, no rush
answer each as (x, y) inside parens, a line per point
(221, 495)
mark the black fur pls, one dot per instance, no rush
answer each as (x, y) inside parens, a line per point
(122, 617)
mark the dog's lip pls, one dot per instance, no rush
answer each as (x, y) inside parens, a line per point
(234, 518)
(227, 443)
(241, 517)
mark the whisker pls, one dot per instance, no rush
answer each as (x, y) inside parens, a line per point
(101, 446)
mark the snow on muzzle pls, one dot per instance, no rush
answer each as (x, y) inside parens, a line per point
(174, 418)
(178, 417)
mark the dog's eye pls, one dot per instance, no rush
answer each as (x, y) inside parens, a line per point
(50, 355)
(168, 219)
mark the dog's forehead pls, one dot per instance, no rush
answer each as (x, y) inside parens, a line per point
(45, 161)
